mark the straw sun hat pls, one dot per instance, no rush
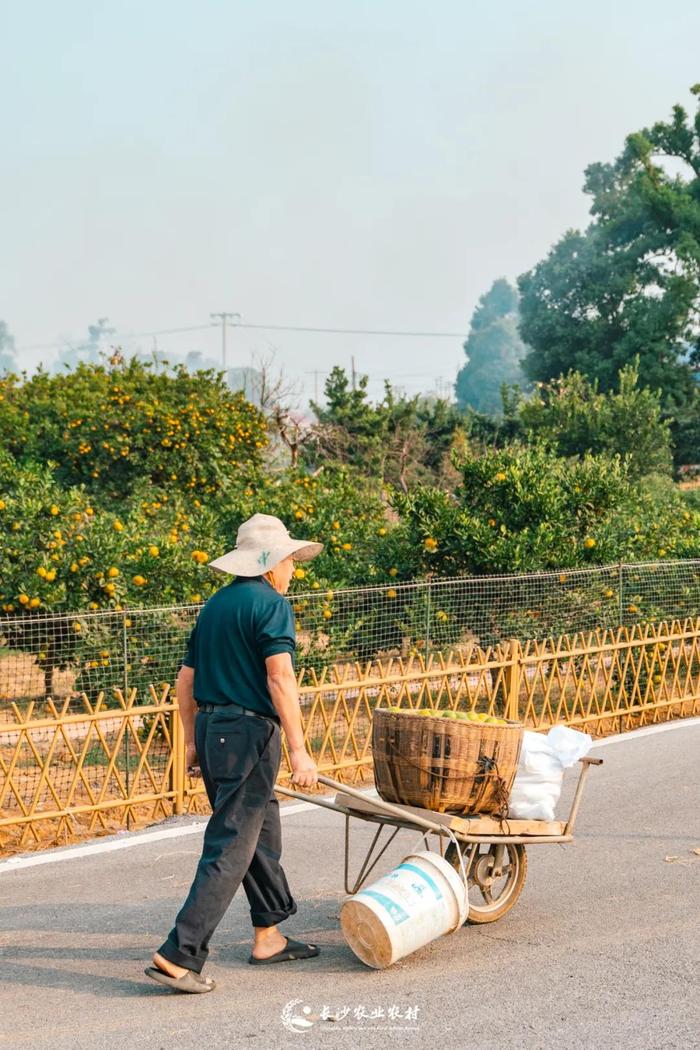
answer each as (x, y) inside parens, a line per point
(261, 542)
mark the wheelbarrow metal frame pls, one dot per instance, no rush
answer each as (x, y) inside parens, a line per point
(388, 814)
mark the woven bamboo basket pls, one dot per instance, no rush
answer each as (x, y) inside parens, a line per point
(444, 765)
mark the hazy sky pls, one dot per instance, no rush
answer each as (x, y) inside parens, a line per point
(316, 163)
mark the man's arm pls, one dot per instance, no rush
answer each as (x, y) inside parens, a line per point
(282, 686)
(184, 689)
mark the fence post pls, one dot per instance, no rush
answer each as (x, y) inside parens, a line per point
(512, 680)
(177, 769)
(620, 581)
(427, 620)
(127, 755)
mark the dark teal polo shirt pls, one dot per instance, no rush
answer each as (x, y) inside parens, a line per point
(242, 623)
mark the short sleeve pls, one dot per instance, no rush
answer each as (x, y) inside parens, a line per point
(276, 632)
(189, 655)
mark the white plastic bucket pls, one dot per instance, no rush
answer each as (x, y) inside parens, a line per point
(421, 899)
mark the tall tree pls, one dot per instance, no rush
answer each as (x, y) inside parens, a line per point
(350, 429)
(398, 439)
(630, 284)
(494, 350)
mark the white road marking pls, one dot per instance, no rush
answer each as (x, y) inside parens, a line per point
(137, 838)
(646, 731)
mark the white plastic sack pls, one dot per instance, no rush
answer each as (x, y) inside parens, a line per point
(543, 759)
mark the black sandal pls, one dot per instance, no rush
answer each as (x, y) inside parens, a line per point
(292, 950)
(189, 982)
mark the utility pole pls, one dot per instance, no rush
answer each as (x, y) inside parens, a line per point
(224, 318)
(316, 372)
(352, 365)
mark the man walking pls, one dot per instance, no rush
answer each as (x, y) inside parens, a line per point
(236, 690)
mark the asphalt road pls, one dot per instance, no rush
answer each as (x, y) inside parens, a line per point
(602, 950)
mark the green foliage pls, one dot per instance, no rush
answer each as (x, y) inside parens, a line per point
(494, 350)
(398, 440)
(629, 285)
(120, 505)
(62, 552)
(337, 505)
(112, 429)
(525, 508)
(484, 430)
(691, 498)
(685, 435)
(576, 418)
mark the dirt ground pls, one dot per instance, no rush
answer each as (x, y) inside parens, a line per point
(22, 677)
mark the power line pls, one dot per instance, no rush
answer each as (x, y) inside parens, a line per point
(354, 331)
(165, 331)
(377, 376)
(393, 333)
(120, 335)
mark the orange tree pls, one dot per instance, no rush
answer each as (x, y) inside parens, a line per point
(337, 505)
(346, 511)
(524, 509)
(109, 428)
(66, 551)
(61, 553)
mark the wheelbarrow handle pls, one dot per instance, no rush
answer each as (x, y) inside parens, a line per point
(378, 804)
(382, 806)
(329, 782)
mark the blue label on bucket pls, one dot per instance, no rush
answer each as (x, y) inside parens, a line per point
(396, 912)
(419, 871)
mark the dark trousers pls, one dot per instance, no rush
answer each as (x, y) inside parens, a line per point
(239, 757)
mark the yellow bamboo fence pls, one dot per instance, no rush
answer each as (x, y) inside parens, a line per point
(82, 766)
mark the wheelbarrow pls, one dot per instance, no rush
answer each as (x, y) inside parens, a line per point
(493, 849)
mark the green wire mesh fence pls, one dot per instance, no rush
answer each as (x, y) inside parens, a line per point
(91, 652)
(103, 676)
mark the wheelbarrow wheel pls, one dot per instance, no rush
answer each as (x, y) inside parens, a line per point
(496, 875)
